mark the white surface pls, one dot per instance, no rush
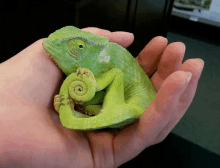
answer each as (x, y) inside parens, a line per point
(210, 16)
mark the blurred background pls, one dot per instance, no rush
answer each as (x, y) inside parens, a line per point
(195, 140)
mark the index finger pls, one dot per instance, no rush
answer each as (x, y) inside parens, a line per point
(125, 39)
(150, 56)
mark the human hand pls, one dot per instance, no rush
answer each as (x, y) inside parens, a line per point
(33, 135)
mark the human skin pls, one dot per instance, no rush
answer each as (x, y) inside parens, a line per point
(31, 132)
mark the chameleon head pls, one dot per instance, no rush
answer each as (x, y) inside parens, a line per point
(72, 48)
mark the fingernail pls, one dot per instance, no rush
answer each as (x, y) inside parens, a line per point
(201, 61)
(166, 40)
(131, 34)
(184, 47)
(189, 76)
(123, 32)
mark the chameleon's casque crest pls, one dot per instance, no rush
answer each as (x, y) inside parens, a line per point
(70, 32)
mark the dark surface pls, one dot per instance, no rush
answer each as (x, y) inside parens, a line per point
(23, 22)
(196, 30)
(174, 152)
(152, 19)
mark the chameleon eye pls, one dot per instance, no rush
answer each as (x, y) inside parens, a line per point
(76, 47)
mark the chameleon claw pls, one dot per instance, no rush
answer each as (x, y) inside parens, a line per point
(57, 101)
(71, 103)
(88, 73)
(56, 104)
(78, 102)
(84, 71)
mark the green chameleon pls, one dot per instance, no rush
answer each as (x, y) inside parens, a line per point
(105, 86)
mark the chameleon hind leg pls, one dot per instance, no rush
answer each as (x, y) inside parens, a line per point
(113, 80)
(114, 106)
(114, 101)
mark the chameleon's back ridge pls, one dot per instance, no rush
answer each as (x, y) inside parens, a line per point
(105, 86)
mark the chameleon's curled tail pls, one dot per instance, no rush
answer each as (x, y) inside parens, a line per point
(77, 90)
(80, 87)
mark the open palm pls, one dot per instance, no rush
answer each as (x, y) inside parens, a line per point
(32, 134)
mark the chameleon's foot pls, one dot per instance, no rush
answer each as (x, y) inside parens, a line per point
(57, 99)
(78, 102)
(84, 71)
(71, 103)
(57, 102)
(74, 105)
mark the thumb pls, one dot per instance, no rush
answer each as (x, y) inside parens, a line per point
(30, 75)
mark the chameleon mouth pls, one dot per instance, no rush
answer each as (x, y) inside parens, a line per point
(48, 48)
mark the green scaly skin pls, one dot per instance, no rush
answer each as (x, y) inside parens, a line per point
(103, 79)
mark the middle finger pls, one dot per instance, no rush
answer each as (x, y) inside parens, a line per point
(170, 62)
